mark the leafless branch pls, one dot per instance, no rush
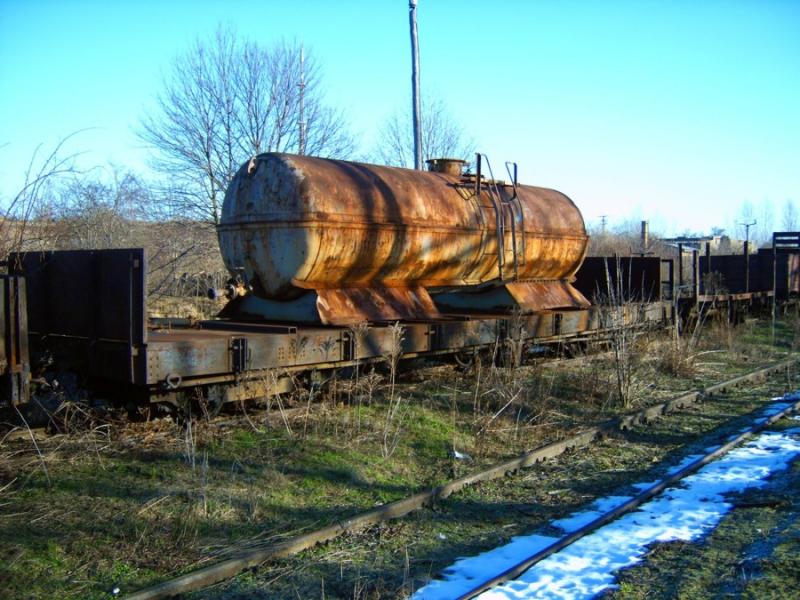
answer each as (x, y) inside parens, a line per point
(227, 100)
(43, 171)
(442, 137)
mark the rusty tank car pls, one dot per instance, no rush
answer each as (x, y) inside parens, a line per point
(338, 242)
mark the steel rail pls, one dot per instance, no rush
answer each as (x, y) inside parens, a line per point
(226, 569)
(519, 568)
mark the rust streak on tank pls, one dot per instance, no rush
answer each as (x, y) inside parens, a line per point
(295, 223)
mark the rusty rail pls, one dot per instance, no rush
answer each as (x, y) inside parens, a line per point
(518, 569)
(228, 568)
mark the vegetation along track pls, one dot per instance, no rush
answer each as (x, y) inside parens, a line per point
(228, 568)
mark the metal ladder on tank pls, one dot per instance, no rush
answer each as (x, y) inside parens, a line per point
(502, 207)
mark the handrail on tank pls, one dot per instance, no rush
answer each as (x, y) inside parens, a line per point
(519, 206)
(478, 179)
(499, 206)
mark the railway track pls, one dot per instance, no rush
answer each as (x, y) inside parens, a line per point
(524, 563)
(250, 559)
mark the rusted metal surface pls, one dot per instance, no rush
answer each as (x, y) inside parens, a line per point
(787, 272)
(731, 275)
(200, 357)
(15, 368)
(354, 305)
(534, 296)
(742, 296)
(296, 223)
(448, 166)
(522, 296)
(104, 335)
(269, 385)
(98, 293)
(345, 306)
(194, 354)
(636, 278)
(96, 296)
(786, 241)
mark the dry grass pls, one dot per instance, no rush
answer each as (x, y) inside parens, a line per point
(395, 411)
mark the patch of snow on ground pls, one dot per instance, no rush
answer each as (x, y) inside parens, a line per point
(597, 509)
(466, 573)
(587, 567)
(683, 464)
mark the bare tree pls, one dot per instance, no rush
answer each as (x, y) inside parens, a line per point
(116, 208)
(226, 100)
(746, 214)
(766, 221)
(442, 137)
(789, 218)
(92, 212)
(623, 238)
(21, 225)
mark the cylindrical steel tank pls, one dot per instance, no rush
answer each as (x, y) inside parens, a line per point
(294, 223)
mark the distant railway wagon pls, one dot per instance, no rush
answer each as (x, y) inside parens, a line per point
(737, 274)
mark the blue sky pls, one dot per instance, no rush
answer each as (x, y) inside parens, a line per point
(672, 111)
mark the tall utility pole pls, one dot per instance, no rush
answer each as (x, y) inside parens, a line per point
(746, 254)
(301, 123)
(415, 101)
(747, 227)
(645, 236)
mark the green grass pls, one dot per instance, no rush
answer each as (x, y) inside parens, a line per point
(753, 553)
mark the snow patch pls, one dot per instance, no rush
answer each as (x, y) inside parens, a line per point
(599, 507)
(587, 567)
